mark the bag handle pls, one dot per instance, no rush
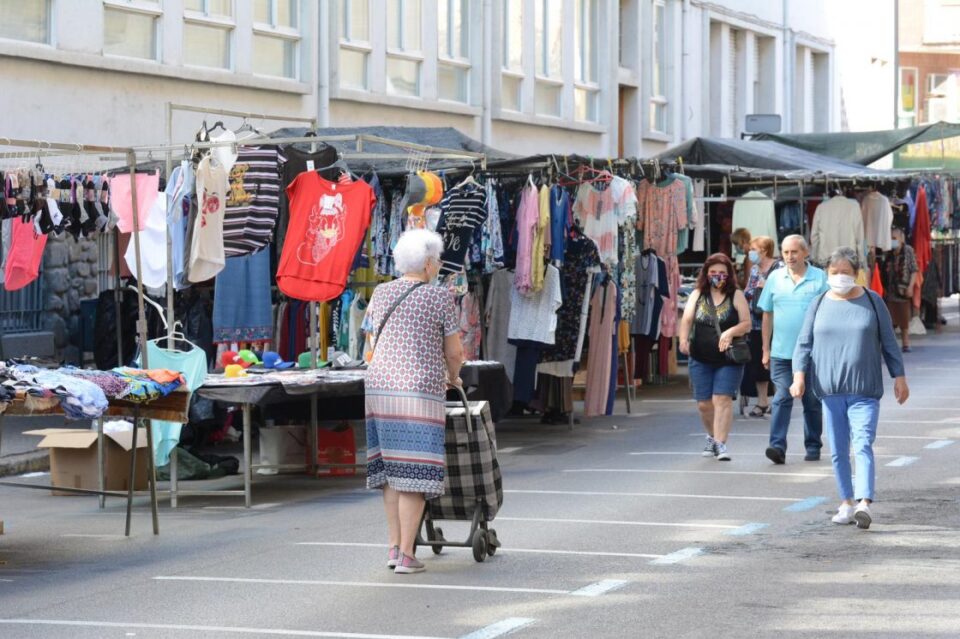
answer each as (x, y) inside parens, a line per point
(713, 312)
(390, 311)
(466, 405)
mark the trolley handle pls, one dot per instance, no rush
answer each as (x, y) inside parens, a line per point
(466, 404)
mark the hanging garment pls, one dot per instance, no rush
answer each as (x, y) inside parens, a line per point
(148, 187)
(253, 201)
(603, 310)
(355, 341)
(192, 365)
(25, 255)
(528, 216)
(661, 208)
(921, 232)
(534, 317)
(179, 187)
(153, 247)
(755, 212)
(601, 213)
(698, 222)
(206, 257)
(683, 233)
(497, 321)
(492, 235)
(560, 214)
(328, 222)
(837, 222)
(241, 304)
(877, 220)
(470, 328)
(462, 210)
(541, 233)
(651, 291)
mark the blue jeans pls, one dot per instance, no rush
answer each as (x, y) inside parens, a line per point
(781, 373)
(852, 417)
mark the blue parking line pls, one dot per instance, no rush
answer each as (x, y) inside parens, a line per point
(746, 529)
(805, 504)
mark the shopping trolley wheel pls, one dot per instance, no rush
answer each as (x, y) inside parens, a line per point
(492, 542)
(437, 536)
(480, 545)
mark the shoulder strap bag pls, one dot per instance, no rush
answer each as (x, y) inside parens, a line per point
(739, 351)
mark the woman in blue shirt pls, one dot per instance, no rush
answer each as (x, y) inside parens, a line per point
(846, 337)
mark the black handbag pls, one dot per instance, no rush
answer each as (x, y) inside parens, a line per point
(739, 351)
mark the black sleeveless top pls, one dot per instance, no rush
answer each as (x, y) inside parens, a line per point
(705, 343)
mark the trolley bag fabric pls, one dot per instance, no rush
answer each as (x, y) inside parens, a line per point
(472, 468)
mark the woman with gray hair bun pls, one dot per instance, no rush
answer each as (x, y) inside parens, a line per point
(846, 337)
(414, 336)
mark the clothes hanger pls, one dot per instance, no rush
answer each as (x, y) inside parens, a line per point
(176, 336)
(249, 129)
(469, 179)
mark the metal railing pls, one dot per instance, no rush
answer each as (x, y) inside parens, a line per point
(21, 310)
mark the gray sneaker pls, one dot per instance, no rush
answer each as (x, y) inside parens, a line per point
(394, 557)
(710, 450)
(408, 565)
(722, 453)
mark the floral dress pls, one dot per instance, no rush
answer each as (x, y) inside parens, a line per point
(405, 387)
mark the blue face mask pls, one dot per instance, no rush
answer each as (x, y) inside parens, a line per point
(894, 244)
(754, 256)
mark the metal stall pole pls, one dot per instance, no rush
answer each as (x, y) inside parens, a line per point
(247, 457)
(314, 417)
(142, 332)
(100, 480)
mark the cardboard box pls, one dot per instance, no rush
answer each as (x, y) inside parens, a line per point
(282, 445)
(337, 444)
(73, 458)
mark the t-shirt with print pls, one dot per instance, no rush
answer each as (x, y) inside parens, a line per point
(533, 317)
(253, 201)
(463, 209)
(602, 212)
(206, 243)
(328, 221)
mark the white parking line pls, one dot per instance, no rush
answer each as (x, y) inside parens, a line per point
(511, 449)
(678, 556)
(364, 584)
(699, 454)
(941, 443)
(500, 628)
(599, 588)
(505, 550)
(618, 522)
(906, 460)
(592, 493)
(697, 472)
(206, 629)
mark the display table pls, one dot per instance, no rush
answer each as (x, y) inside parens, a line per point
(486, 381)
(172, 407)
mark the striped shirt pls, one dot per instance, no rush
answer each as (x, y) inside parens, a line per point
(462, 209)
(253, 200)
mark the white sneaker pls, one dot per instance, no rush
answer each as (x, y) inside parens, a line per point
(710, 450)
(722, 453)
(844, 515)
(862, 516)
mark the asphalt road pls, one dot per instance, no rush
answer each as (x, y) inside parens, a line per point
(616, 529)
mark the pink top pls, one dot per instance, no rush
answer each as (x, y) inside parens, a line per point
(528, 216)
(148, 187)
(26, 253)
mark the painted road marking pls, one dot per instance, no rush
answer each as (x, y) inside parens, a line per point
(500, 628)
(365, 584)
(746, 529)
(940, 443)
(503, 550)
(512, 449)
(699, 454)
(697, 472)
(206, 629)
(592, 493)
(618, 522)
(678, 556)
(666, 401)
(906, 460)
(805, 504)
(734, 435)
(92, 536)
(878, 436)
(599, 588)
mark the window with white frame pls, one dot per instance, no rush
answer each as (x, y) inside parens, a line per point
(453, 50)
(355, 46)
(404, 47)
(130, 28)
(586, 92)
(658, 107)
(27, 21)
(511, 63)
(548, 90)
(208, 27)
(276, 38)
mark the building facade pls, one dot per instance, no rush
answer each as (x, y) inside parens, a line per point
(597, 77)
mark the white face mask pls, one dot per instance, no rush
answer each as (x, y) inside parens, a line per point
(841, 284)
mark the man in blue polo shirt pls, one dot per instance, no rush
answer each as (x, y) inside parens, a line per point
(787, 295)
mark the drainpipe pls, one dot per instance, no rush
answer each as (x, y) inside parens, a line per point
(486, 125)
(323, 64)
(685, 70)
(896, 66)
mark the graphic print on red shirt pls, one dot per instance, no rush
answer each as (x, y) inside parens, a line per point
(328, 221)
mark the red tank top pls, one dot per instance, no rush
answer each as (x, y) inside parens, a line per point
(328, 221)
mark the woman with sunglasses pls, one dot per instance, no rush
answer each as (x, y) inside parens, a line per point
(714, 378)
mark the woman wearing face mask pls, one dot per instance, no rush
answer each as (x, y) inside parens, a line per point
(846, 338)
(714, 378)
(755, 373)
(899, 279)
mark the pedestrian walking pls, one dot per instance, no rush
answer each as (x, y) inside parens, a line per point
(899, 282)
(846, 338)
(715, 320)
(414, 334)
(786, 297)
(756, 375)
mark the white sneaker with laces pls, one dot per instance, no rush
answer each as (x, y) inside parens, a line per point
(862, 516)
(722, 453)
(710, 450)
(844, 515)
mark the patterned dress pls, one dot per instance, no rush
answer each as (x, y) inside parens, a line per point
(405, 388)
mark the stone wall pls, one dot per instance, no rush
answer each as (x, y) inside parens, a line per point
(70, 274)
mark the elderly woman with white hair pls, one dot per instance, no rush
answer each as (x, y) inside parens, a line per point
(846, 338)
(413, 333)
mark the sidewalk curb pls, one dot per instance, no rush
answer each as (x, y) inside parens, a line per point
(31, 462)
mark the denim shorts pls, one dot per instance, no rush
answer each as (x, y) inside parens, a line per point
(709, 380)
